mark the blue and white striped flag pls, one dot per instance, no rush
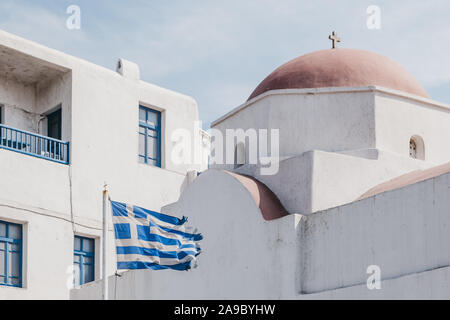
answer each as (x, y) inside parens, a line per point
(150, 240)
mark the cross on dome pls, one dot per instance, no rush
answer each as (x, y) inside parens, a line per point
(334, 38)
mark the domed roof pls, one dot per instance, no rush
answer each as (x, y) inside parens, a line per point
(341, 68)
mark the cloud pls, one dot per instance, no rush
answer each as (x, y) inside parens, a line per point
(414, 34)
(39, 24)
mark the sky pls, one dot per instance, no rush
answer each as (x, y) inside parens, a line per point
(218, 51)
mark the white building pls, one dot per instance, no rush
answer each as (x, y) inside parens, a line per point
(362, 186)
(67, 128)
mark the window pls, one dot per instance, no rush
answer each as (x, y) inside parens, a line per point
(10, 254)
(83, 260)
(149, 136)
(412, 148)
(54, 125)
(416, 148)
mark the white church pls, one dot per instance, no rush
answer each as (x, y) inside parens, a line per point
(361, 193)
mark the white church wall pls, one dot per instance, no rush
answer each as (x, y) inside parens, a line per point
(400, 118)
(372, 142)
(344, 119)
(330, 119)
(293, 184)
(340, 178)
(318, 180)
(402, 231)
(243, 256)
(102, 122)
(433, 284)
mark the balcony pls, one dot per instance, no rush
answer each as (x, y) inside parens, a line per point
(34, 144)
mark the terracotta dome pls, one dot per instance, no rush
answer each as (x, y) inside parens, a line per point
(341, 68)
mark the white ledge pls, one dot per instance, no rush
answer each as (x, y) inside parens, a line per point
(331, 90)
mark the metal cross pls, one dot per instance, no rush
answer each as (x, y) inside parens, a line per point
(334, 38)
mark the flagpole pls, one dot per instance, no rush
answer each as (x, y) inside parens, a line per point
(105, 233)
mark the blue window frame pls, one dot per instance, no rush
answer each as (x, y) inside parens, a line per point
(149, 136)
(83, 260)
(10, 254)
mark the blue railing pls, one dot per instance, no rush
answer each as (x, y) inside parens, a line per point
(34, 144)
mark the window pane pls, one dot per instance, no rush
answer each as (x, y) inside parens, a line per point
(14, 247)
(88, 273)
(142, 130)
(2, 246)
(77, 243)
(152, 133)
(153, 119)
(88, 245)
(152, 148)
(152, 162)
(14, 264)
(2, 230)
(2, 279)
(76, 275)
(76, 259)
(142, 114)
(141, 159)
(14, 281)
(15, 231)
(141, 145)
(2, 262)
(155, 149)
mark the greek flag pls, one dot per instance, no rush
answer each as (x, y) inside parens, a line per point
(150, 240)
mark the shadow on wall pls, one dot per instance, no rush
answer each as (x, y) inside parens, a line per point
(269, 204)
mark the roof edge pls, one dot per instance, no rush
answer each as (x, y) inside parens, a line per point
(406, 180)
(265, 199)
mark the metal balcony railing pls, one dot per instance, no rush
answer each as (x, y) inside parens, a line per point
(34, 144)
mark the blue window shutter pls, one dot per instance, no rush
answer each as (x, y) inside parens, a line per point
(84, 260)
(10, 254)
(149, 136)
